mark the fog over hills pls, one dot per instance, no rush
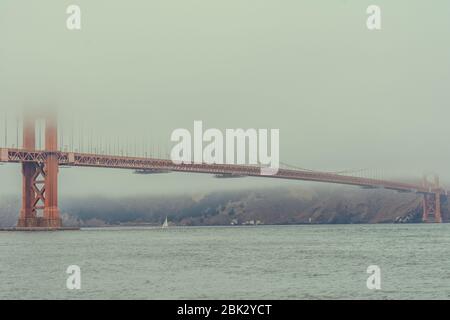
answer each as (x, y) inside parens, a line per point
(293, 205)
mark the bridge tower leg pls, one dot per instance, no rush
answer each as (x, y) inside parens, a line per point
(432, 201)
(27, 217)
(39, 180)
(51, 211)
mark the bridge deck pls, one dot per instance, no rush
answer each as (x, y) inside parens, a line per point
(138, 163)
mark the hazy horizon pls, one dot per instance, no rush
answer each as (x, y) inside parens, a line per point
(342, 96)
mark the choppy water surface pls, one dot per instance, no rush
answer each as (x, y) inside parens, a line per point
(279, 262)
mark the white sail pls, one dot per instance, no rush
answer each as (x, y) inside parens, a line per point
(165, 224)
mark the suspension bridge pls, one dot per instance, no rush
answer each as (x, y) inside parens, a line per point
(40, 162)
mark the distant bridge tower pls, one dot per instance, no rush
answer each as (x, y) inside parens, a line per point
(40, 178)
(432, 199)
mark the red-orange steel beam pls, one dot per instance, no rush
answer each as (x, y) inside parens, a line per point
(120, 162)
(51, 211)
(27, 215)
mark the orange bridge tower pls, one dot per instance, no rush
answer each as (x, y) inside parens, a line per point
(40, 178)
(432, 200)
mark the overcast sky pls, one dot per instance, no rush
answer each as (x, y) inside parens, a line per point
(342, 96)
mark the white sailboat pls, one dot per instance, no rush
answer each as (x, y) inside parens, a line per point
(165, 224)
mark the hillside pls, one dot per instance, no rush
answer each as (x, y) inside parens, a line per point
(271, 206)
